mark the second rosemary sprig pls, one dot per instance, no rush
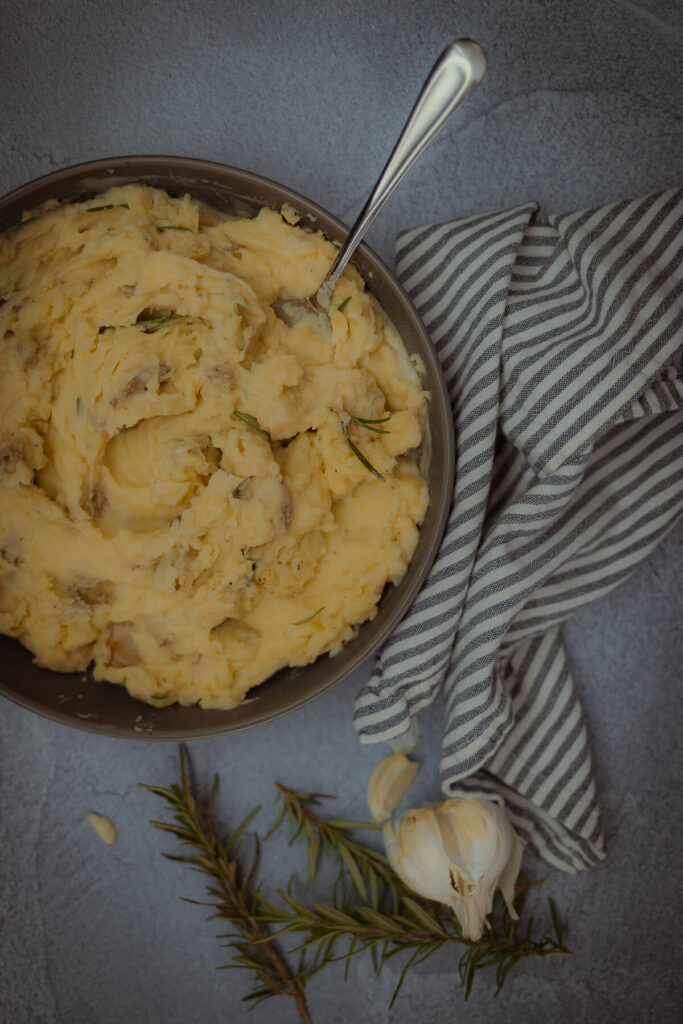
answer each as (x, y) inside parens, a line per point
(390, 919)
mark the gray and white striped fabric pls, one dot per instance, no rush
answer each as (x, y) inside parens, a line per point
(562, 344)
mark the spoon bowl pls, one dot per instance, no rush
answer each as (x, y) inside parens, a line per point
(293, 310)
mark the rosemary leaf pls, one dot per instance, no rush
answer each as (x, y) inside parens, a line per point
(172, 227)
(358, 453)
(313, 856)
(302, 621)
(381, 922)
(555, 919)
(212, 795)
(152, 326)
(147, 326)
(368, 424)
(250, 421)
(423, 917)
(334, 915)
(107, 206)
(354, 871)
(409, 963)
(233, 842)
(348, 956)
(342, 305)
(374, 891)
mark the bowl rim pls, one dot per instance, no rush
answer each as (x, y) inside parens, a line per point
(250, 180)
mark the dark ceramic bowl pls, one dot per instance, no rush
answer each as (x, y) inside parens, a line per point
(76, 699)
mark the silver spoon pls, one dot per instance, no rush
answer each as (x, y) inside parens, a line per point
(455, 75)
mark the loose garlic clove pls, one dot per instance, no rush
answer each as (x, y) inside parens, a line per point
(389, 783)
(103, 826)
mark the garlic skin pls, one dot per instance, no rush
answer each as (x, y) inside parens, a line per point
(457, 852)
(406, 742)
(389, 783)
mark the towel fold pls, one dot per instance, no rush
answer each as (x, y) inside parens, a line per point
(561, 342)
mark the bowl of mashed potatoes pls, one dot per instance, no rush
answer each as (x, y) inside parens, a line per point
(207, 517)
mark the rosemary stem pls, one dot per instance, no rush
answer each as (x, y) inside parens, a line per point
(290, 983)
(252, 928)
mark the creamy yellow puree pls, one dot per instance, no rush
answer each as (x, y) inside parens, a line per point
(179, 505)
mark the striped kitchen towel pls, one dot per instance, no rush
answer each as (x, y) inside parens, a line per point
(561, 342)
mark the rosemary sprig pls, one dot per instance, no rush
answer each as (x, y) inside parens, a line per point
(368, 424)
(370, 909)
(231, 893)
(358, 453)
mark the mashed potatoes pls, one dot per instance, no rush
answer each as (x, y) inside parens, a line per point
(181, 504)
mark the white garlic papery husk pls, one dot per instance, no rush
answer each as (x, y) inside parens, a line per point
(406, 742)
(458, 852)
(389, 783)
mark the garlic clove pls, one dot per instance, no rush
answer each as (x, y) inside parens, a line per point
(103, 826)
(415, 853)
(510, 872)
(468, 837)
(391, 846)
(388, 784)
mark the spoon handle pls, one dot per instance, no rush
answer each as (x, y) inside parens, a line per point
(455, 75)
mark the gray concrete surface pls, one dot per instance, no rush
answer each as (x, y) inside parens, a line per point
(582, 104)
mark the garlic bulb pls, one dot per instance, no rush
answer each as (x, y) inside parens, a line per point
(389, 783)
(457, 852)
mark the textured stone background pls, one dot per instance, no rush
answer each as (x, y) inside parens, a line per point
(582, 104)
